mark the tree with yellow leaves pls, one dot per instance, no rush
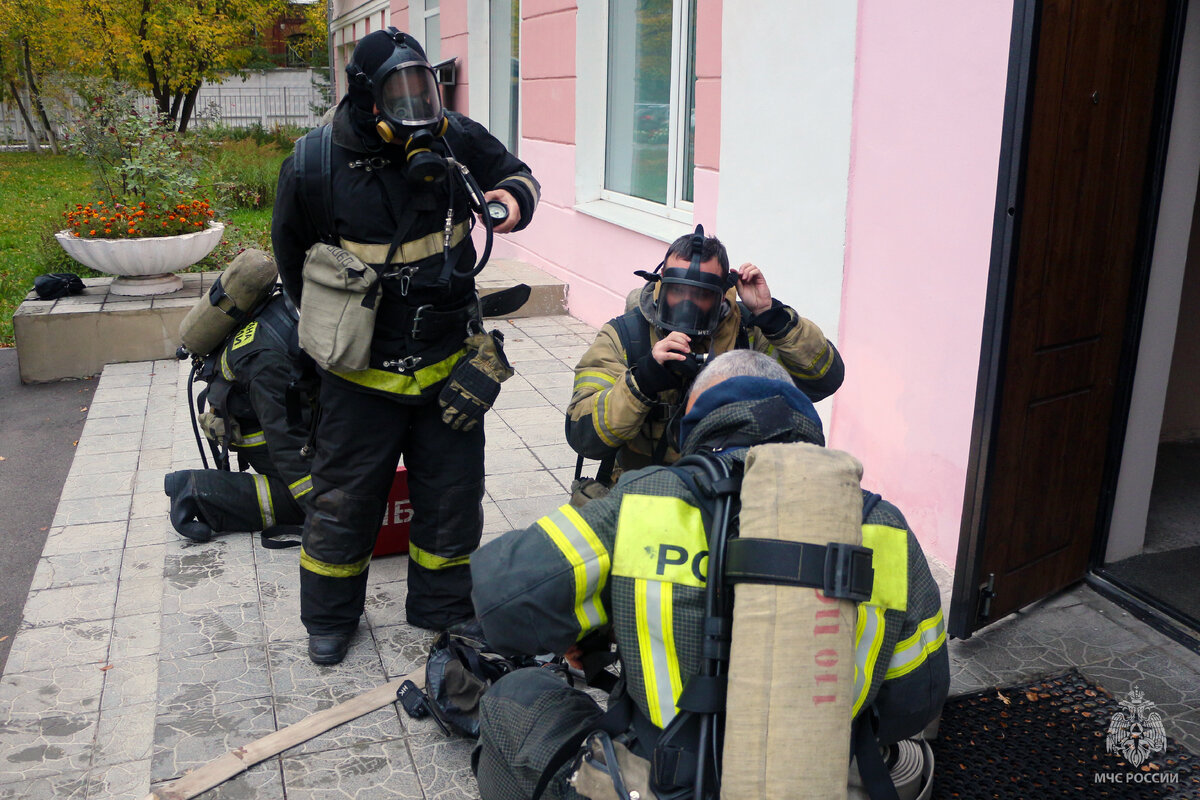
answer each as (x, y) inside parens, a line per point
(172, 46)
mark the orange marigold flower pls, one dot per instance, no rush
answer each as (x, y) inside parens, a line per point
(91, 233)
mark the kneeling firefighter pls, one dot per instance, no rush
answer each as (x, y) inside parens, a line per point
(702, 707)
(371, 229)
(243, 342)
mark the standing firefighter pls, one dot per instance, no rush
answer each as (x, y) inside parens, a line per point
(258, 408)
(629, 386)
(636, 567)
(371, 230)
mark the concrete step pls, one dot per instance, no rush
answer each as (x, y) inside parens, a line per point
(74, 337)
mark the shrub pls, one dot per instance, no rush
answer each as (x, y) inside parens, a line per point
(243, 173)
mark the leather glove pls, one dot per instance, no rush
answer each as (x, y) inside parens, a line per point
(475, 381)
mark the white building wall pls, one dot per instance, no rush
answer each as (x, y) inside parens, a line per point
(787, 88)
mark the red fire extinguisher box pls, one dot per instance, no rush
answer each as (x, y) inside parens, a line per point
(393, 533)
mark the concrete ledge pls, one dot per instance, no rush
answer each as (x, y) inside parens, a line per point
(74, 337)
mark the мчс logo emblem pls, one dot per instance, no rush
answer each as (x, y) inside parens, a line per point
(1136, 733)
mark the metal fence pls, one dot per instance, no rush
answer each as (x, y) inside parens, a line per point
(237, 106)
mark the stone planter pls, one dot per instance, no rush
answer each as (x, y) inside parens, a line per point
(143, 266)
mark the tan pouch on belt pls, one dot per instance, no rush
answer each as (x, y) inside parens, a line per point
(337, 309)
(791, 670)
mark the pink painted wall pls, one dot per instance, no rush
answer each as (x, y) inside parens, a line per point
(597, 258)
(928, 111)
(454, 43)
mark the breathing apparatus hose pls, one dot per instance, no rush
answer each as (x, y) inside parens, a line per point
(715, 601)
(192, 411)
(478, 204)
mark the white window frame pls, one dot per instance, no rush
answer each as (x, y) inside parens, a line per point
(665, 222)
(419, 14)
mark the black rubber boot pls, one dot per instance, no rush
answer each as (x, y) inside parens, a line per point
(185, 511)
(328, 648)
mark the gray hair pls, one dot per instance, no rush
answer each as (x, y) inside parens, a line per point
(739, 363)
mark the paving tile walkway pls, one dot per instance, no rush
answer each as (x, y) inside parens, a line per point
(142, 655)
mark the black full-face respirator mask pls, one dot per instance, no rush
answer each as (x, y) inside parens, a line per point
(409, 112)
(690, 301)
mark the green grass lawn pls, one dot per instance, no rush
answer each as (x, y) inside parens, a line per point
(35, 189)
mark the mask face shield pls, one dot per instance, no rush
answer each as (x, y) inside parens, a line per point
(407, 94)
(690, 301)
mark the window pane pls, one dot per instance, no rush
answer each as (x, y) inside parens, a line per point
(689, 115)
(505, 76)
(433, 36)
(639, 93)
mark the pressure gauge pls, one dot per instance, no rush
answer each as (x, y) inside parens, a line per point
(497, 211)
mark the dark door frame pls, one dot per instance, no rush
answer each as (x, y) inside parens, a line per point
(970, 586)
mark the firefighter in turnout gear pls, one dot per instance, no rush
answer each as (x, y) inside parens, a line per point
(630, 384)
(581, 574)
(248, 390)
(385, 189)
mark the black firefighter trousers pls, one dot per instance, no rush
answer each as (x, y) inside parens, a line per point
(360, 439)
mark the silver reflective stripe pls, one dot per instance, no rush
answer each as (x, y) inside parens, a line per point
(264, 501)
(868, 638)
(301, 487)
(912, 652)
(656, 643)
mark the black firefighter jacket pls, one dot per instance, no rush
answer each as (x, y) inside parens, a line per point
(372, 200)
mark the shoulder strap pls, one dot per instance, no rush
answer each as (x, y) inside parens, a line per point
(870, 500)
(634, 332)
(314, 171)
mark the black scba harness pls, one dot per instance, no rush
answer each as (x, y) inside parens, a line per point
(685, 757)
(313, 164)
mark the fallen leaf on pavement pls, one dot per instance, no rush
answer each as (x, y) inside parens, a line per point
(106, 667)
(84, 408)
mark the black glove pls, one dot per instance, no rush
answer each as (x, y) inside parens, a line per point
(653, 378)
(475, 381)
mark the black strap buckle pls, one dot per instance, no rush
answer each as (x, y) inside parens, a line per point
(848, 572)
(416, 320)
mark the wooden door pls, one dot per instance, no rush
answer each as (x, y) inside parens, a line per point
(1088, 140)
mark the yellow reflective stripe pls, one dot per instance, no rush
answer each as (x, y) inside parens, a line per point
(819, 366)
(332, 570)
(409, 252)
(394, 383)
(889, 558)
(263, 489)
(600, 420)
(603, 562)
(912, 652)
(600, 380)
(868, 639)
(430, 561)
(587, 571)
(256, 439)
(226, 372)
(301, 487)
(667, 606)
(655, 662)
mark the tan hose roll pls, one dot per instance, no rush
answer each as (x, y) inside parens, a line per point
(791, 672)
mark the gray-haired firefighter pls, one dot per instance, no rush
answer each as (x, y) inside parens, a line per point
(631, 567)
(258, 409)
(382, 201)
(630, 384)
